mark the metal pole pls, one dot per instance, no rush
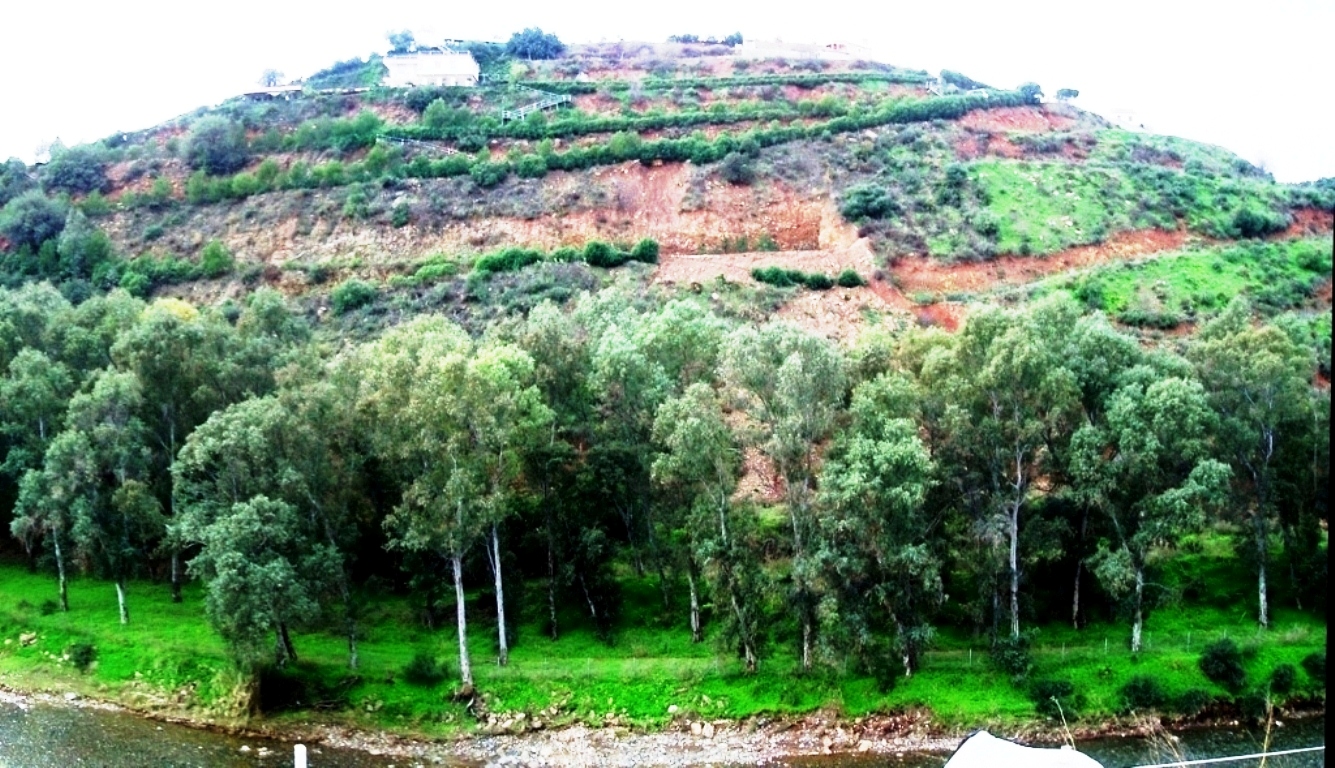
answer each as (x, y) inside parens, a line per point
(1235, 758)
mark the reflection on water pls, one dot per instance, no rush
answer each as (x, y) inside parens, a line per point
(48, 737)
(51, 737)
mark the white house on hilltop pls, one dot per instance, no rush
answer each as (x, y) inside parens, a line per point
(431, 66)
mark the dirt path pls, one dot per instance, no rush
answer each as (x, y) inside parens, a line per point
(924, 275)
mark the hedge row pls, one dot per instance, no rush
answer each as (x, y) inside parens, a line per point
(622, 147)
(816, 281)
(595, 253)
(801, 80)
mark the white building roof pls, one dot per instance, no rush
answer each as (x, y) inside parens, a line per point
(983, 750)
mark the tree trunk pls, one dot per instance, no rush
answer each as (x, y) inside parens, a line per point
(695, 603)
(287, 641)
(120, 601)
(1079, 569)
(806, 643)
(60, 572)
(465, 668)
(503, 657)
(588, 598)
(171, 509)
(748, 653)
(1138, 620)
(1013, 520)
(1263, 613)
(551, 586)
(352, 644)
(176, 575)
(906, 656)
(1286, 531)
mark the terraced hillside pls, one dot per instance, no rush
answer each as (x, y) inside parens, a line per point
(727, 164)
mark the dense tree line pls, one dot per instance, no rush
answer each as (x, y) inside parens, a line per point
(915, 480)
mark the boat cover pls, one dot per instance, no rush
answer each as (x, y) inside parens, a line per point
(983, 750)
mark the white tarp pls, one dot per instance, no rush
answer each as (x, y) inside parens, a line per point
(983, 750)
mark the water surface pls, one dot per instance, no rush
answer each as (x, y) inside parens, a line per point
(43, 736)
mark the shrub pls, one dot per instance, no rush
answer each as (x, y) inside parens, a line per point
(1254, 705)
(401, 215)
(817, 281)
(423, 669)
(1314, 664)
(95, 205)
(1283, 678)
(737, 169)
(1221, 663)
(217, 146)
(867, 201)
(849, 278)
(778, 276)
(486, 174)
(14, 180)
(1193, 701)
(645, 251)
(600, 254)
(78, 170)
(31, 219)
(508, 260)
(1012, 656)
(531, 167)
(82, 655)
(1143, 692)
(1250, 222)
(351, 294)
(48, 607)
(1055, 698)
(215, 260)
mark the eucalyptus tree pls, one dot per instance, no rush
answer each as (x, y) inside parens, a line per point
(43, 513)
(36, 393)
(95, 468)
(1258, 380)
(453, 418)
(188, 364)
(1149, 469)
(874, 531)
(792, 386)
(560, 346)
(1099, 356)
(700, 460)
(1012, 402)
(30, 316)
(628, 385)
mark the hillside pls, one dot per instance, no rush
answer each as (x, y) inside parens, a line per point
(726, 162)
(712, 387)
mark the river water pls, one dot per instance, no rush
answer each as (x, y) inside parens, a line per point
(43, 736)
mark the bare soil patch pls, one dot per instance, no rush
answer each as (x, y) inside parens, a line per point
(1308, 221)
(1025, 119)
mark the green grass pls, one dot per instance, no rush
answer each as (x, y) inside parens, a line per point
(1044, 207)
(1167, 289)
(170, 658)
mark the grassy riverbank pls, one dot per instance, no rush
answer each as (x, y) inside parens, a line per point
(169, 660)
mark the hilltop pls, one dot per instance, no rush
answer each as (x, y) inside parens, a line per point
(687, 382)
(932, 193)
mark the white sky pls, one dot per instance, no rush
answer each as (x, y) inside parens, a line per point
(1252, 77)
